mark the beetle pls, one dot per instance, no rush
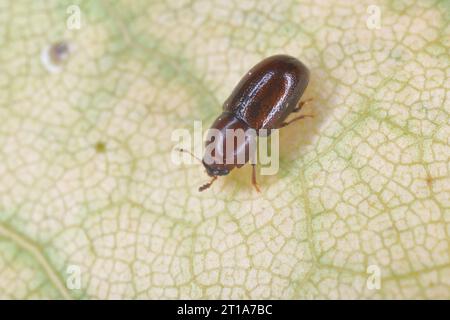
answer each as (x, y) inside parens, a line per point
(262, 99)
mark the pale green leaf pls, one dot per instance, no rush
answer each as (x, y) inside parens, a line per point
(86, 179)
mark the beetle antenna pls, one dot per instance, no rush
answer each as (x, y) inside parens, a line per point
(207, 185)
(187, 151)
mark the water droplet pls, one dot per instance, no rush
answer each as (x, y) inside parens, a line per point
(54, 56)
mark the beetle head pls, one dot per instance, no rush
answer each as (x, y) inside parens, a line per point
(214, 170)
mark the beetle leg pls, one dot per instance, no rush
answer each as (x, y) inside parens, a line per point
(284, 124)
(254, 183)
(301, 104)
(207, 185)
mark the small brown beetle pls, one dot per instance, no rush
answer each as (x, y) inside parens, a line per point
(263, 99)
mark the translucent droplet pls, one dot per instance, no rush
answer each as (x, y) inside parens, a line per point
(54, 56)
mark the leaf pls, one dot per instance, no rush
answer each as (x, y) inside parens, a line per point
(91, 205)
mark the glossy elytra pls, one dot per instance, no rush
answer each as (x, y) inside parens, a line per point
(263, 99)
